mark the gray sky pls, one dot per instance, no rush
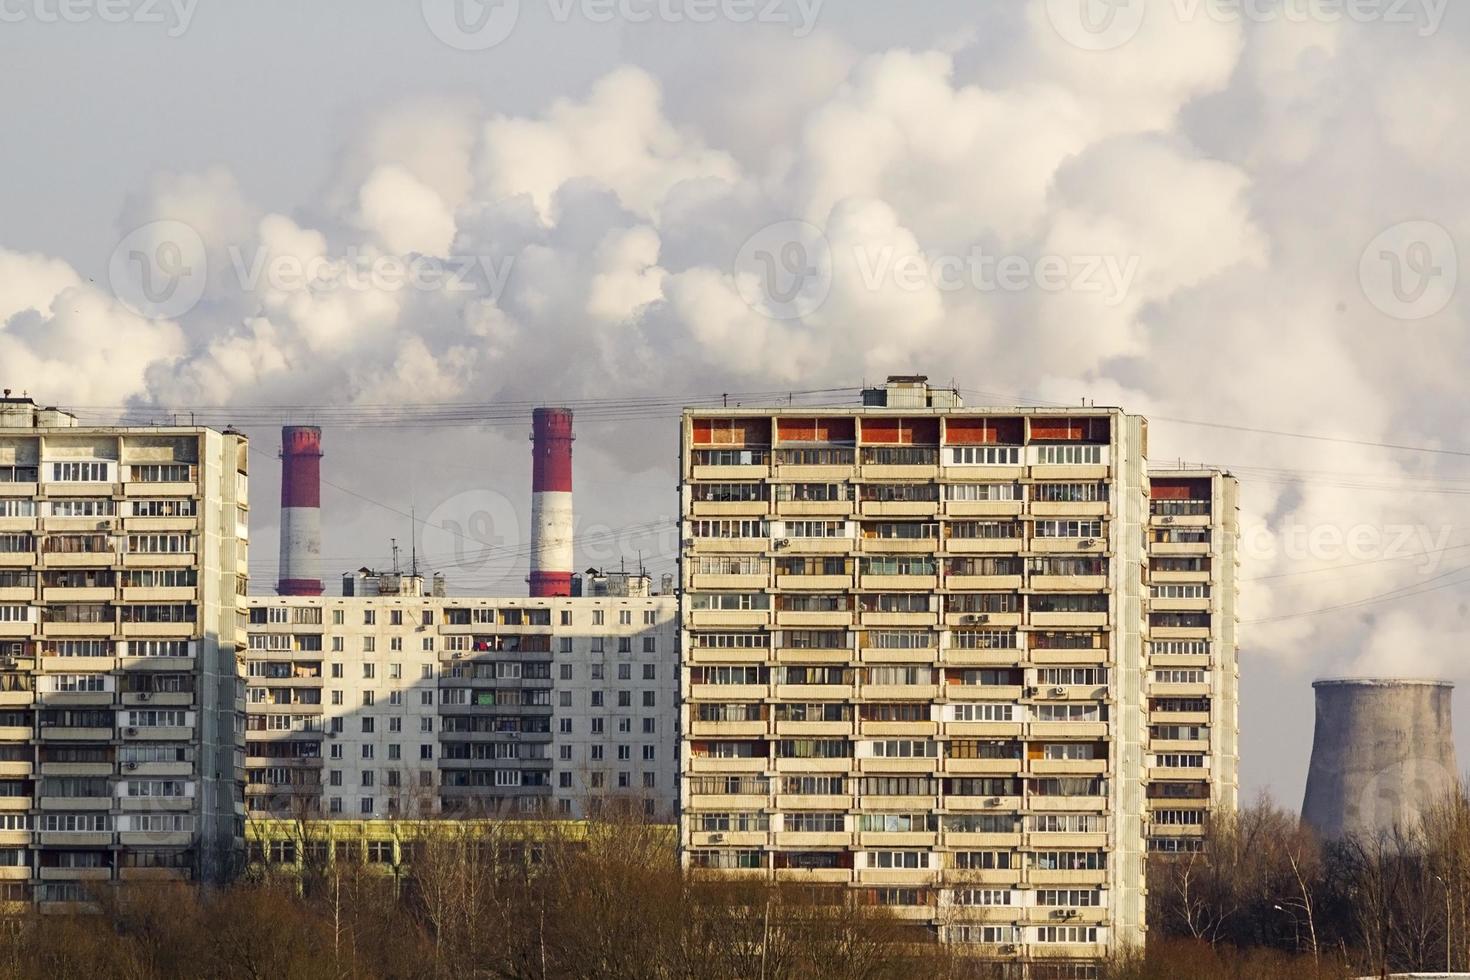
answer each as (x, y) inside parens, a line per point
(1247, 216)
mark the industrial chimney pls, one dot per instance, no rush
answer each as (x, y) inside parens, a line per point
(551, 502)
(301, 511)
(1382, 751)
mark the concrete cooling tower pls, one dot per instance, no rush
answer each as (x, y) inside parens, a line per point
(1382, 750)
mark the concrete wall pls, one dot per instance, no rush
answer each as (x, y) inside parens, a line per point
(1382, 750)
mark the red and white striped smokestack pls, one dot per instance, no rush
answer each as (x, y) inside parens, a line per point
(551, 502)
(301, 510)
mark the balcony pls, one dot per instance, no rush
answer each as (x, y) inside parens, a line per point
(1068, 619)
(150, 489)
(734, 471)
(811, 655)
(729, 508)
(984, 546)
(814, 692)
(817, 508)
(76, 874)
(796, 619)
(899, 692)
(802, 729)
(60, 734)
(954, 766)
(94, 631)
(815, 583)
(727, 729)
(746, 583)
(900, 508)
(967, 657)
(982, 583)
(155, 874)
(908, 583)
(1069, 583)
(803, 839)
(898, 729)
(983, 508)
(905, 766)
(708, 618)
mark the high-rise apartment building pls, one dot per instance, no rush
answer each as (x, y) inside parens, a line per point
(1193, 672)
(913, 662)
(122, 580)
(397, 704)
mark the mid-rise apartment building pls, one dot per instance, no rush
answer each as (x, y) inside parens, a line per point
(123, 570)
(398, 704)
(1193, 671)
(913, 662)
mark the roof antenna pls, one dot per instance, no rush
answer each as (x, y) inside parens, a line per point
(394, 542)
(413, 568)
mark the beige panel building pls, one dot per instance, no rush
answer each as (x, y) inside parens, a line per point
(913, 662)
(1194, 675)
(397, 704)
(122, 575)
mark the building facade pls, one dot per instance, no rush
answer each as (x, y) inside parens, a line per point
(397, 704)
(123, 569)
(913, 662)
(1193, 667)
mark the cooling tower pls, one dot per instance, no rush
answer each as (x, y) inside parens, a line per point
(551, 502)
(301, 511)
(1382, 750)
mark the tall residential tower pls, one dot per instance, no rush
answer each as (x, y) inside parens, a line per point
(122, 582)
(913, 661)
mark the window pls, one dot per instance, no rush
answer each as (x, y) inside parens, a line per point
(1069, 454)
(984, 455)
(89, 472)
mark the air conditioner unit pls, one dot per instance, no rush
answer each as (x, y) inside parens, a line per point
(993, 801)
(1009, 947)
(717, 838)
(781, 543)
(1057, 692)
(144, 696)
(130, 731)
(130, 766)
(1166, 520)
(1087, 543)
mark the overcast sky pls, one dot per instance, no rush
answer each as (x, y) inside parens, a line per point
(1241, 220)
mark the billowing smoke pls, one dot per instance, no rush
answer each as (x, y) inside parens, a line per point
(1204, 221)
